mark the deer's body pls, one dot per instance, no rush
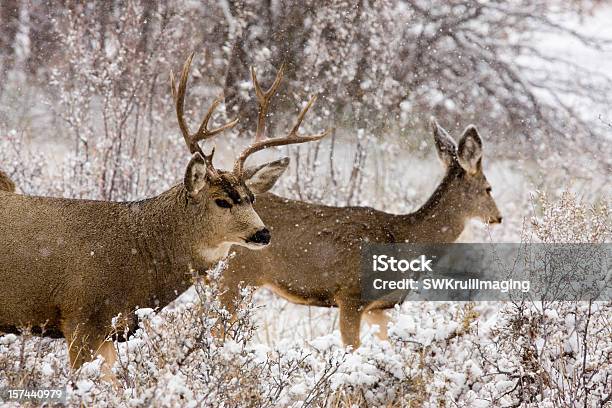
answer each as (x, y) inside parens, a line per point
(325, 244)
(316, 254)
(75, 262)
(68, 266)
(314, 243)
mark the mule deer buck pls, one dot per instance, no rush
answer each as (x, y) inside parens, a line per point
(69, 266)
(6, 184)
(315, 257)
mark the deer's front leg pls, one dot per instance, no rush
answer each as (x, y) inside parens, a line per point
(350, 322)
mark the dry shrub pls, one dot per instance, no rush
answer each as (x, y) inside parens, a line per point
(556, 353)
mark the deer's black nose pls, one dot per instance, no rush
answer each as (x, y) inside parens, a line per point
(261, 237)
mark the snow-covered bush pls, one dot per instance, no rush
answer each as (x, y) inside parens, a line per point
(174, 360)
(556, 353)
(486, 354)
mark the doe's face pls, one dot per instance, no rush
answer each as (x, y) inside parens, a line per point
(464, 160)
(478, 193)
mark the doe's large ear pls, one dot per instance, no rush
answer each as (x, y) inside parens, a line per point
(197, 175)
(470, 150)
(262, 178)
(445, 145)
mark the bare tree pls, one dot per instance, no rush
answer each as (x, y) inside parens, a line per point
(381, 69)
(379, 61)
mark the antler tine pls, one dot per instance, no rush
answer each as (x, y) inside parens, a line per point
(292, 138)
(264, 99)
(179, 101)
(203, 132)
(211, 110)
(298, 122)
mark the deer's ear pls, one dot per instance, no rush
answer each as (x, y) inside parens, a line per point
(197, 175)
(445, 145)
(262, 178)
(470, 150)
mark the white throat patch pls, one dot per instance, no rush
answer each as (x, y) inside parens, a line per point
(215, 254)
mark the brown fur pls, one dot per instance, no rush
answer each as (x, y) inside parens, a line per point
(6, 184)
(70, 266)
(315, 256)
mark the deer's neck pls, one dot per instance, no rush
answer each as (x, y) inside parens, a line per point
(170, 245)
(440, 219)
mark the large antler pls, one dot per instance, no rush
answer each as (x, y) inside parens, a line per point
(203, 132)
(261, 142)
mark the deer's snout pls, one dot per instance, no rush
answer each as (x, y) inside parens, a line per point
(261, 237)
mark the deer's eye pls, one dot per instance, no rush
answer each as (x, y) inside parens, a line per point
(223, 203)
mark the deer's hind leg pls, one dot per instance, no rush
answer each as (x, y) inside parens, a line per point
(350, 322)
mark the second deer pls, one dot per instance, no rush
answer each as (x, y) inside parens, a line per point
(315, 258)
